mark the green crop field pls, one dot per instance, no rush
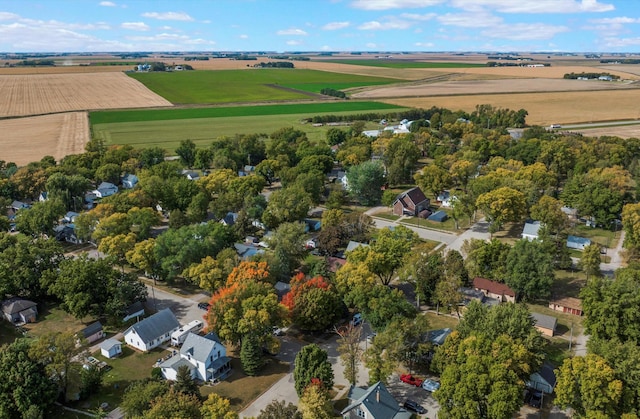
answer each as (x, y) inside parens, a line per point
(251, 85)
(310, 109)
(405, 64)
(167, 133)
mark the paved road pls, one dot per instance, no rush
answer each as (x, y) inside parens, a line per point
(185, 308)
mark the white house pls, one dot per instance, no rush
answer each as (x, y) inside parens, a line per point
(152, 331)
(446, 199)
(111, 348)
(191, 174)
(105, 189)
(134, 310)
(205, 356)
(374, 402)
(19, 310)
(530, 230)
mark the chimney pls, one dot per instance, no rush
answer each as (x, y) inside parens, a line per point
(378, 395)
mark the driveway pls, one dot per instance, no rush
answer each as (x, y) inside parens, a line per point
(185, 308)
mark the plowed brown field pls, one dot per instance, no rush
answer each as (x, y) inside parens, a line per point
(42, 94)
(24, 140)
(545, 108)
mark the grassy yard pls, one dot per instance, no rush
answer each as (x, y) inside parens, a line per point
(8, 333)
(441, 321)
(447, 225)
(54, 319)
(241, 389)
(127, 368)
(601, 236)
(565, 321)
(568, 283)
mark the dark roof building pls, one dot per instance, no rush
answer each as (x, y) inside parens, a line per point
(411, 202)
(374, 402)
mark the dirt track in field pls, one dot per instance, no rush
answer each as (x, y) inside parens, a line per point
(24, 140)
(49, 93)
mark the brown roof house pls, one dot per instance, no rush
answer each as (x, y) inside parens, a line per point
(19, 310)
(411, 202)
(493, 289)
(567, 305)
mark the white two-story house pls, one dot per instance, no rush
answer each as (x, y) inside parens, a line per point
(205, 356)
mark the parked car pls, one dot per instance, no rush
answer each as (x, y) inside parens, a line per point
(430, 385)
(414, 407)
(277, 331)
(370, 338)
(536, 399)
(410, 379)
(204, 306)
(356, 320)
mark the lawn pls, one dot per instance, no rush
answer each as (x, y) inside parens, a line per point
(391, 63)
(55, 320)
(127, 368)
(441, 321)
(600, 236)
(167, 134)
(226, 86)
(447, 225)
(241, 389)
(565, 321)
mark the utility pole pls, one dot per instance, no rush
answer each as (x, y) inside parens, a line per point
(571, 337)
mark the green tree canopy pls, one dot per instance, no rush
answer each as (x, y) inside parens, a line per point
(365, 182)
(312, 363)
(530, 270)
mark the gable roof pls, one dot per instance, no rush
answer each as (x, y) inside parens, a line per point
(544, 321)
(134, 308)
(493, 287)
(578, 240)
(109, 343)
(199, 347)
(16, 305)
(531, 229)
(415, 195)
(354, 245)
(92, 329)
(378, 401)
(154, 326)
(569, 302)
(438, 216)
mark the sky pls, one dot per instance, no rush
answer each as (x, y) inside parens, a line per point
(320, 25)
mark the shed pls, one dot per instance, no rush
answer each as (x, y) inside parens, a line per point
(494, 289)
(530, 230)
(129, 181)
(545, 324)
(579, 243)
(92, 333)
(569, 305)
(111, 348)
(134, 310)
(544, 379)
(438, 216)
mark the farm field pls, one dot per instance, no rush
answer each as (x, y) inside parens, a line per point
(410, 63)
(257, 85)
(168, 133)
(28, 139)
(217, 112)
(544, 108)
(41, 94)
(624, 131)
(468, 87)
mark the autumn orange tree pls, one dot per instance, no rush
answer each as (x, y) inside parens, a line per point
(246, 305)
(313, 303)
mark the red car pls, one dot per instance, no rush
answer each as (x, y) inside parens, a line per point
(410, 379)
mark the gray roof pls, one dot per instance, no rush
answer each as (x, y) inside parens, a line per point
(134, 308)
(109, 343)
(154, 326)
(199, 347)
(176, 362)
(531, 229)
(378, 401)
(92, 329)
(544, 321)
(16, 305)
(437, 337)
(578, 240)
(438, 216)
(354, 245)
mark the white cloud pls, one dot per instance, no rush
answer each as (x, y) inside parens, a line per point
(615, 20)
(8, 16)
(325, 48)
(135, 26)
(371, 45)
(536, 6)
(425, 44)
(392, 4)
(168, 16)
(293, 42)
(244, 36)
(332, 26)
(616, 42)
(107, 4)
(292, 31)
(524, 31)
(374, 25)
(470, 20)
(415, 16)
(199, 41)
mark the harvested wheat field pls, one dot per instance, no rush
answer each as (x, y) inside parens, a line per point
(622, 131)
(24, 140)
(545, 108)
(42, 94)
(62, 69)
(470, 87)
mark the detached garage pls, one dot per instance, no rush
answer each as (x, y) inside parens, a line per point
(438, 216)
